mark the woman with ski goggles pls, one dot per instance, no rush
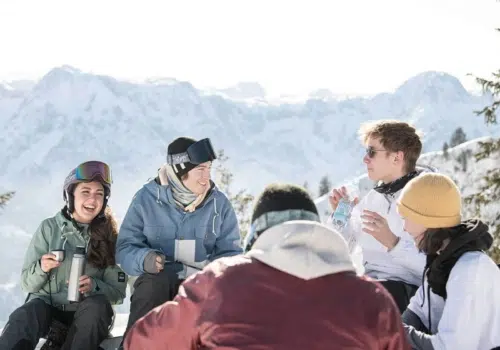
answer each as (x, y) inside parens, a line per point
(85, 223)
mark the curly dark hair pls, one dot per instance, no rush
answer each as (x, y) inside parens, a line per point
(103, 234)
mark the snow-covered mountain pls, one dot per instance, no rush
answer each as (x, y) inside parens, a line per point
(68, 116)
(245, 90)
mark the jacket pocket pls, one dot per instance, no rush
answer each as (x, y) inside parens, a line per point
(205, 238)
(202, 231)
(161, 238)
(155, 233)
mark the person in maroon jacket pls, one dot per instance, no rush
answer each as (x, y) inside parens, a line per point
(296, 288)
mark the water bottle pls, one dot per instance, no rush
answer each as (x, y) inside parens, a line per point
(342, 214)
(77, 268)
(340, 220)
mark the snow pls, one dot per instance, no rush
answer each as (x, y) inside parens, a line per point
(106, 114)
(69, 116)
(39, 150)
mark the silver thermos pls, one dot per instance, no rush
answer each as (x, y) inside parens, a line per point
(77, 269)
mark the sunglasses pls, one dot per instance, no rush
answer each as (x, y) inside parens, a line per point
(371, 152)
(90, 170)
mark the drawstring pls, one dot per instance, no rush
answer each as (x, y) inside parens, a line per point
(215, 217)
(428, 299)
(50, 288)
(158, 196)
(64, 243)
(429, 307)
(63, 235)
(215, 210)
(423, 291)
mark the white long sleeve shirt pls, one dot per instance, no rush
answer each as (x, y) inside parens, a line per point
(402, 263)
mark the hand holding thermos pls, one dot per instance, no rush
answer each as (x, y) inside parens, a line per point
(78, 283)
(48, 262)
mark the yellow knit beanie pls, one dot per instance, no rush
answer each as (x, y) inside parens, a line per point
(432, 200)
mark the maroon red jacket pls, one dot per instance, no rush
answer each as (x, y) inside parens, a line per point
(296, 289)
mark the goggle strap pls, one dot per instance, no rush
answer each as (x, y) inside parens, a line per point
(274, 218)
(178, 158)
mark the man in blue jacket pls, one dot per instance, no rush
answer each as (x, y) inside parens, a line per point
(175, 225)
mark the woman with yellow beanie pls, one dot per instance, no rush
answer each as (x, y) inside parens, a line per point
(458, 304)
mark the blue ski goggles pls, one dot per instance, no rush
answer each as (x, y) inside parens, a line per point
(198, 153)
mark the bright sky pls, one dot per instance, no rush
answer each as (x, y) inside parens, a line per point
(349, 46)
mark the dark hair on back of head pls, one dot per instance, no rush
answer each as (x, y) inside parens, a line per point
(279, 197)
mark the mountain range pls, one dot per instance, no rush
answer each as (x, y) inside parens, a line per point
(49, 126)
(69, 116)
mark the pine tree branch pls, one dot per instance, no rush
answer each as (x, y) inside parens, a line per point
(487, 148)
(489, 192)
(241, 200)
(4, 198)
(490, 86)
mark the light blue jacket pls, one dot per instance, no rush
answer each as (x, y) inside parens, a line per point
(191, 240)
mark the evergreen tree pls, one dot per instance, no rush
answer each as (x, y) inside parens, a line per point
(490, 191)
(324, 186)
(462, 159)
(240, 200)
(458, 137)
(4, 198)
(445, 150)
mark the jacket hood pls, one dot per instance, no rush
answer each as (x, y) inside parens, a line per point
(304, 249)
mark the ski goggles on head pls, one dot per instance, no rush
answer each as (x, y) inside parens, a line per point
(198, 153)
(90, 170)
